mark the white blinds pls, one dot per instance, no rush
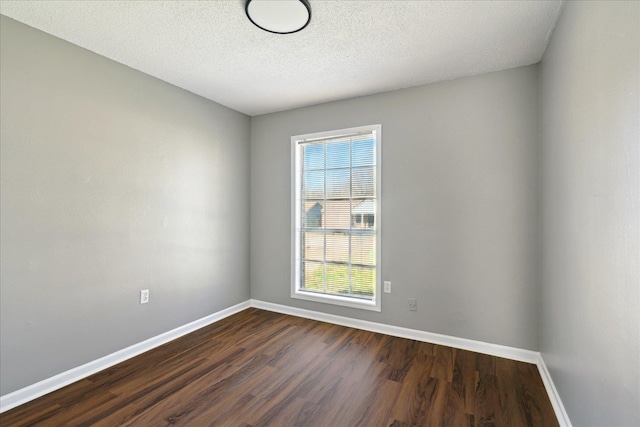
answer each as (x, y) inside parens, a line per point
(336, 210)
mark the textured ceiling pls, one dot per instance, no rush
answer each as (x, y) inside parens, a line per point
(350, 48)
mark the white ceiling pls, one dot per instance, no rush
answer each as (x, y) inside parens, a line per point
(350, 48)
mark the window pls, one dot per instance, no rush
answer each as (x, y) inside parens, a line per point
(336, 217)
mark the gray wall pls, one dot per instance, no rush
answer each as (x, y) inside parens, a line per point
(459, 208)
(590, 155)
(112, 181)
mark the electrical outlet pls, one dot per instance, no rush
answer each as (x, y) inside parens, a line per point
(413, 304)
(387, 286)
(144, 296)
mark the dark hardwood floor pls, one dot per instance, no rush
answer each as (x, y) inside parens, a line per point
(258, 368)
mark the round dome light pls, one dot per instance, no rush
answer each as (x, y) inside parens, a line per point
(279, 16)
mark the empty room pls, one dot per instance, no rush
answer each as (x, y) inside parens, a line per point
(320, 213)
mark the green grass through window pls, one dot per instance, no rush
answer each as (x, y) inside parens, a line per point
(363, 280)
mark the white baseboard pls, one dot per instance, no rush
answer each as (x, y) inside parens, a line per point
(513, 353)
(56, 382)
(556, 402)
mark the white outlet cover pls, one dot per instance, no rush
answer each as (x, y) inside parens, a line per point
(144, 296)
(387, 286)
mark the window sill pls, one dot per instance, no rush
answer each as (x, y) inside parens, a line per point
(370, 305)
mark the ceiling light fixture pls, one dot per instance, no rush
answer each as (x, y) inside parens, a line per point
(279, 16)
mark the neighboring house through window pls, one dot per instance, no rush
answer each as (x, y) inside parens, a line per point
(336, 217)
(363, 214)
(313, 216)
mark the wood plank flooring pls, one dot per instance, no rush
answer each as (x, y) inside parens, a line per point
(259, 368)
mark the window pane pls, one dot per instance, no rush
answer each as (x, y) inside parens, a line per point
(338, 247)
(363, 281)
(313, 246)
(363, 182)
(338, 154)
(363, 249)
(313, 155)
(363, 151)
(313, 185)
(311, 276)
(338, 181)
(337, 278)
(337, 214)
(336, 242)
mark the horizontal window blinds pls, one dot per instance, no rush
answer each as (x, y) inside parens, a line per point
(336, 207)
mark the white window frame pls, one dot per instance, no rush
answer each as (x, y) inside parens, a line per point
(374, 304)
